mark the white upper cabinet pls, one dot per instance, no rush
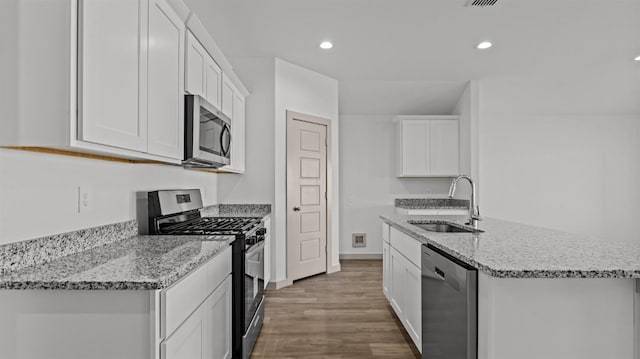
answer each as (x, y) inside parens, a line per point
(165, 81)
(227, 96)
(203, 75)
(131, 76)
(213, 82)
(114, 77)
(111, 54)
(427, 146)
(196, 55)
(233, 105)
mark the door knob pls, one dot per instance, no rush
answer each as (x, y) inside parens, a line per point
(296, 209)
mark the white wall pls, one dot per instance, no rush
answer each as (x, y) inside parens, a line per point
(39, 192)
(369, 184)
(302, 90)
(8, 66)
(541, 164)
(256, 185)
(277, 86)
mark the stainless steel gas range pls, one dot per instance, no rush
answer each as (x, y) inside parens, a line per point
(177, 212)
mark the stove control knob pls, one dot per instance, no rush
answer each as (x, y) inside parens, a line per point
(261, 231)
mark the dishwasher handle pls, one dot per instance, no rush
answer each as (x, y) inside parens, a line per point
(446, 268)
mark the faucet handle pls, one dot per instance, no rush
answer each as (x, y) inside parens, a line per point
(476, 214)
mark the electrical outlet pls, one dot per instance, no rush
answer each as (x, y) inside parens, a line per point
(85, 199)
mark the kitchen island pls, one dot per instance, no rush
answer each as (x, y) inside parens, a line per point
(542, 293)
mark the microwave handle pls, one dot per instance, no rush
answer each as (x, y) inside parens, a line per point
(225, 151)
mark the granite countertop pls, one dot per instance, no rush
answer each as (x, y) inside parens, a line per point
(513, 250)
(137, 263)
(237, 210)
(429, 203)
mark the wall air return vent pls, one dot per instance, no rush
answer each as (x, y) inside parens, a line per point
(481, 3)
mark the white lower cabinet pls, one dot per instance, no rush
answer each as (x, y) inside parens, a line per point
(413, 303)
(402, 283)
(218, 319)
(188, 341)
(397, 285)
(206, 331)
(386, 248)
(189, 319)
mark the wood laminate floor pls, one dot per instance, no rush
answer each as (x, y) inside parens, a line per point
(340, 315)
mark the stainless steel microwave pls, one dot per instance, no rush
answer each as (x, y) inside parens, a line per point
(207, 134)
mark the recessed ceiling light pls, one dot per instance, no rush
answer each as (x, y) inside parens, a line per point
(637, 58)
(326, 45)
(484, 45)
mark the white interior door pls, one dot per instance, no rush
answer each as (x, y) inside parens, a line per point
(306, 197)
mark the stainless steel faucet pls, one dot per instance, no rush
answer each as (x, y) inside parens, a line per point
(474, 211)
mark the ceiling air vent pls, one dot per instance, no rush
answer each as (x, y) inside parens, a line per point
(481, 3)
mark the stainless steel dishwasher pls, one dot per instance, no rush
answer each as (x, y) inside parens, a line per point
(449, 307)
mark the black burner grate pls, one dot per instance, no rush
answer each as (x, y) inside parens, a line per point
(215, 225)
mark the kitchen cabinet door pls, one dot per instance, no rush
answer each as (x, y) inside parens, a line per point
(238, 138)
(166, 81)
(203, 76)
(218, 313)
(195, 66)
(189, 340)
(413, 303)
(397, 284)
(227, 96)
(111, 54)
(213, 82)
(237, 164)
(416, 152)
(386, 274)
(444, 147)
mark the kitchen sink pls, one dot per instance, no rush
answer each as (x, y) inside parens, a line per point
(444, 227)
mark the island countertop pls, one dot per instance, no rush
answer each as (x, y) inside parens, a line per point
(136, 263)
(512, 250)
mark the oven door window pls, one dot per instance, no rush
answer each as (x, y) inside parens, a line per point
(214, 134)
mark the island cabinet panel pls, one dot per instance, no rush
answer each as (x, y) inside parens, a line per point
(402, 280)
(568, 318)
(386, 256)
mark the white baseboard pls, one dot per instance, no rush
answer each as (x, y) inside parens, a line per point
(361, 256)
(334, 268)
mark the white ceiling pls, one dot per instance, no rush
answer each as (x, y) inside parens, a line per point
(390, 46)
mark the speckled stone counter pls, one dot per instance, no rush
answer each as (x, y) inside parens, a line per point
(137, 263)
(512, 250)
(40, 250)
(237, 210)
(429, 203)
